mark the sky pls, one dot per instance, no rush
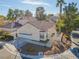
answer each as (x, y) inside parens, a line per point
(49, 5)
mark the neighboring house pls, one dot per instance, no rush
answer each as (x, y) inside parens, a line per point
(10, 27)
(54, 18)
(23, 20)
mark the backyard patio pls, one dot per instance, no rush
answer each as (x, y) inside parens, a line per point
(32, 49)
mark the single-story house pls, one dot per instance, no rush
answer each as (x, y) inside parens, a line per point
(11, 28)
(38, 30)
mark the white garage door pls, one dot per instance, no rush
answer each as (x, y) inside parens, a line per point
(24, 35)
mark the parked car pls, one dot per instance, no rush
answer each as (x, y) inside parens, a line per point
(75, 36)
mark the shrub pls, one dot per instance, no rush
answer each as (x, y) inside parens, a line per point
(2, 38)
(30, 49)
(8, 37)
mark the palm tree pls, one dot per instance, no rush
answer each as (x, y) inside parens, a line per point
(60, 4)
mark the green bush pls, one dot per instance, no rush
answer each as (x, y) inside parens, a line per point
(2, 38)
(6, 38)
(30, 49)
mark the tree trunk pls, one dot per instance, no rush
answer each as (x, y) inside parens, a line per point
(60, 11)
(60, 16)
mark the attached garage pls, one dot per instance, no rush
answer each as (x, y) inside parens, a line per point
(26, 36)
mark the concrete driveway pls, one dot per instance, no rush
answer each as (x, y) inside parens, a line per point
(6, 53)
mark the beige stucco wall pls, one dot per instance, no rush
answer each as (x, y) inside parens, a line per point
(30, 29)
(50, 31)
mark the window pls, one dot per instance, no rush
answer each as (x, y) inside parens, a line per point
(42, 35)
